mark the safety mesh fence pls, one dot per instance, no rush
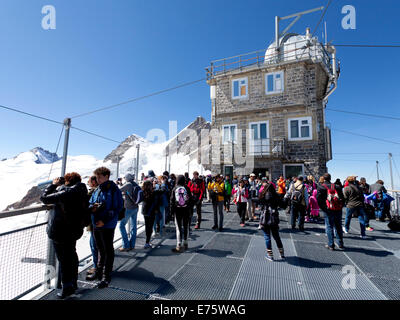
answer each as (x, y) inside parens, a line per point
(22, 260)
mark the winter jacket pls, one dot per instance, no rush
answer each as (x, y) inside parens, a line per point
(322, 194)
(110, 201)
(365, 188)
(281, 186)
(268, 197)
(240, 196)
(314, 207)
(67, 220)
(218, 188)
(353, 195)
(132, 195)
(151, 205)
(252, 189)
(197, 188)
(228, 188)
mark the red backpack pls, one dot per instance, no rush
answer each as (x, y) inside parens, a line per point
(332, 200)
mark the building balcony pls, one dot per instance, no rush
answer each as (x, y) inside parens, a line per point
(271, 148)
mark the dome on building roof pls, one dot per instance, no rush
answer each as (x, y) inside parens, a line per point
(293, 46)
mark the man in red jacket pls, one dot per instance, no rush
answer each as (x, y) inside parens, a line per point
(197, 187)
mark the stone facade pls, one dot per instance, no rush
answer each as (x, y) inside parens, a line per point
(305, 84)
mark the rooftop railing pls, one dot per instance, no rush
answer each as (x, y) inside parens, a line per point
(295, 51)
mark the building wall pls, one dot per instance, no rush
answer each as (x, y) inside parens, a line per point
(304, 88)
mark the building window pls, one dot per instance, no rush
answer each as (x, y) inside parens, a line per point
(229, 133)
(293, 170)
(274, 82)
(300, 128)
(259, 142)
(239, 88)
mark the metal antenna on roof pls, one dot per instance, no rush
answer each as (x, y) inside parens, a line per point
(297, 16)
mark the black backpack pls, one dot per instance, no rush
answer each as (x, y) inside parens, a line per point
(269, 218)
(297, 196)
(394, 224)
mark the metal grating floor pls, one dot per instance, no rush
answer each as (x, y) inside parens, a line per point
(231, 265)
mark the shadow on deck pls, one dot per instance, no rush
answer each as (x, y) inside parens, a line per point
(231, 265)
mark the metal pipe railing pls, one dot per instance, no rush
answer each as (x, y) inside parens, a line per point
(29, 274)
(316, 52)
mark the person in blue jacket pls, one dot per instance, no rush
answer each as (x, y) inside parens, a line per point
(105, 204)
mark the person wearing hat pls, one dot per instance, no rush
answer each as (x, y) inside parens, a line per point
(133, 195)
(298, 203)
(217, 189)
(354, 200)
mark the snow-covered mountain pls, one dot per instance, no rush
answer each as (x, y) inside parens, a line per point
(28, 169)
(44, 156)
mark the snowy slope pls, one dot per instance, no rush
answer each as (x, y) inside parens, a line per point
(20, 174)
(28, 169)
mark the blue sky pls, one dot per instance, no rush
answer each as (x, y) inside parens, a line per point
(104, 52)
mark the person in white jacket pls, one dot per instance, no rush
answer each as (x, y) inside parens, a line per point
(241, 195)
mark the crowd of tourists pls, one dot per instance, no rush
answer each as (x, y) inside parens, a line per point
(102, 204)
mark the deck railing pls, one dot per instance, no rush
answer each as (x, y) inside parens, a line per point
(299, 50)
(27, 258)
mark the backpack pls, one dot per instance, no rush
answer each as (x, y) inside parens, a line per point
(196, 187)
(394, 223)
(297, 195)
(181, 197)
(269, 218)
(333, 201)
(118, 205)
(137, 195)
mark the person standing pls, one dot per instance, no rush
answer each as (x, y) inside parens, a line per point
(314, 207)
(197, 188)
(106, 203)
(217, 196)
(269, 220)
(251, 203)
(132, 195)
(162, 187)
(281, 187)
(92, 182)
(369, 209)
(381, 210)
(354, 199)
(181, 202)
(227, 194)
(65, 226)
(330, 200)
(240, 194)
(298, 203)
(151, 207)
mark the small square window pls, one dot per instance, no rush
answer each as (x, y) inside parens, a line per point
(239, 88)
(229, 133)
(274, 82)
(300, 129)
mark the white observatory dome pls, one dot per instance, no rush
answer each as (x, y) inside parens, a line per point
(294, 47)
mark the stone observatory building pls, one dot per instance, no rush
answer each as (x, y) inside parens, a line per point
(269, 108)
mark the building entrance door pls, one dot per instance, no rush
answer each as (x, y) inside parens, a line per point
(293, 170)
(265, 172)
(228, 171)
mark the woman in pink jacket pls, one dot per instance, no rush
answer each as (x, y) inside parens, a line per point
(314, 208)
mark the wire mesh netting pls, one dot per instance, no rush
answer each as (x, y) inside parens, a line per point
(22, 260)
